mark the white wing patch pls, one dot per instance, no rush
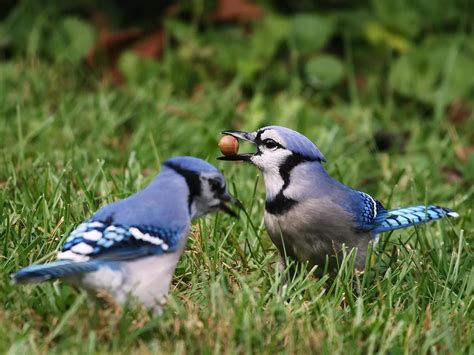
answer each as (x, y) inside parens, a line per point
(93, 238)
(93, 235)
(147, 238)
(82, 248)
(70, 255)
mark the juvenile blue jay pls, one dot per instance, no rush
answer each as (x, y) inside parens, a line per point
(310, 216)
(132, 246)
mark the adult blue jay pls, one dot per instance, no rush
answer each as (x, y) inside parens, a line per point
(132, 246)
(310, 216)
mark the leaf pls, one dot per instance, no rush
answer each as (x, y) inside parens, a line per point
(378, 35)
(268, 34)
(324, 71)
(151, 46)
(136, 68)
(71, 40)
(236, 10)
(463, 153)
(309, 33)
(398, 16)
(459, 111)
(441, 69)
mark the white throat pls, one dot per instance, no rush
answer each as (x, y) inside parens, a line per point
(269, 163)
(273, 183)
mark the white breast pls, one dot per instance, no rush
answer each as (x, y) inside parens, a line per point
(146, 279)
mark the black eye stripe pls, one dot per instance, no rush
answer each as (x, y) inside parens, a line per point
(270, 143)
(216, 186)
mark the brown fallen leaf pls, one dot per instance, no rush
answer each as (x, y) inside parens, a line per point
(106, 52)
(236, 10)
(427, 321)
(110, 44)
(151, 46)
(463, 153)
(459, 111)
(361, 82)
(451, 175)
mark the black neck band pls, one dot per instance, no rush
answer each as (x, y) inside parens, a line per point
(280, 203)
(192, 180)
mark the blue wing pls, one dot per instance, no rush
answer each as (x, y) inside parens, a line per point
(368, 212)
(370, 215)
(50, 271)
(102, 241)
(94, 243)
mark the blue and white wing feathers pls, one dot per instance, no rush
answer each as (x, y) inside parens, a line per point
(372, 216)
(102, 241)
(369, 213)
(94, 243)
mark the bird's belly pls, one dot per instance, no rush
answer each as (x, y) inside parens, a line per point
(310, 233)
(147, 280)
(105, 283)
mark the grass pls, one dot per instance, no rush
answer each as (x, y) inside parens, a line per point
(67, 149)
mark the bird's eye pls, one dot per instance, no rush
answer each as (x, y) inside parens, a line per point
(270, 144)
(216, 185)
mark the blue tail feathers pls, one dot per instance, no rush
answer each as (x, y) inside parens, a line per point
(410, 216)
(51, 271)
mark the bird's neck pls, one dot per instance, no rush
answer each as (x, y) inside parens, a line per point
(170, 195)
(286, 187)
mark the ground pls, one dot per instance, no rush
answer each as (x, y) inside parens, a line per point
(71, 144)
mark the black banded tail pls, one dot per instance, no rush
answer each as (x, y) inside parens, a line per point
(51, 271)
(410, 216)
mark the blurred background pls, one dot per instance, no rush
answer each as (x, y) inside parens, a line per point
(422, 50)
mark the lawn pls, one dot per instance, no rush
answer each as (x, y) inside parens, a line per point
(70, 143)
(66, 150)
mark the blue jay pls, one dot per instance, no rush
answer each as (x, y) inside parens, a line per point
(132, 246)
(309, 215)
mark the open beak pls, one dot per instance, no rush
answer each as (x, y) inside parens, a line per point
(246, 136)
(225, 200)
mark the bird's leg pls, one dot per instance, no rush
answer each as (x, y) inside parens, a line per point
(281, 266)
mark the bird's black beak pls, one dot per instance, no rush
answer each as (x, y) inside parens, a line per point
(246, 136)
(224, 207)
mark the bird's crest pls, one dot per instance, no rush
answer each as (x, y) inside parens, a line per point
(292, 140)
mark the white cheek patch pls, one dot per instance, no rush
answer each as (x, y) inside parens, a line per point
(269, 162)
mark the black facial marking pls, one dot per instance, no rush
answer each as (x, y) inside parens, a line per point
(109, 220)
(192, 179)
(216, 187)
(279, 204)
(291, 162)
(258, 138)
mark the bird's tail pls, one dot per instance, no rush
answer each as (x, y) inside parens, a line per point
(51, 271)
(410, 216)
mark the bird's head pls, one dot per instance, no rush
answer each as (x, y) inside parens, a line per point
(276, 146)
(206, 184)
(279, 151)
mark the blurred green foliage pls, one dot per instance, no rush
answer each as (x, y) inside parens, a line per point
(425, 48)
